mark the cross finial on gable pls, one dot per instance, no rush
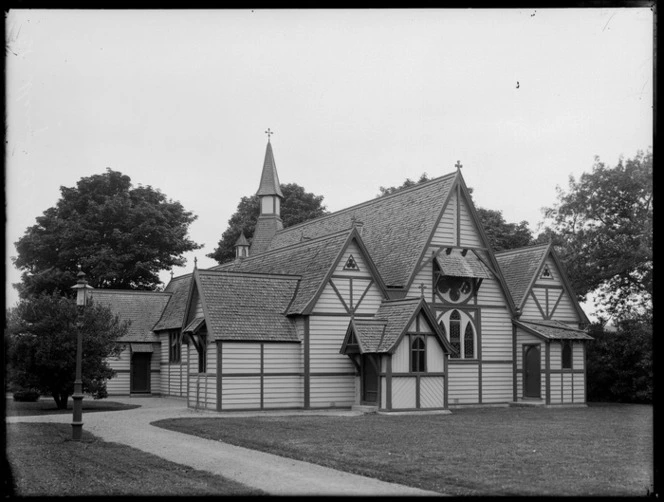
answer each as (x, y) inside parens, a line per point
(269, 133)
(422, 288)
(458, 164)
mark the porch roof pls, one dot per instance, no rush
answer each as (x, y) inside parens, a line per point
(553, 330)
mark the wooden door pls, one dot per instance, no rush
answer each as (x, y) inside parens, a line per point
(369, 380)
(532, 371)
(140, 372)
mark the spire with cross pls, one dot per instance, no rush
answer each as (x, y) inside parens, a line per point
(458, 164)
(269, 133)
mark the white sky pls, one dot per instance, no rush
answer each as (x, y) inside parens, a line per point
(358, 99)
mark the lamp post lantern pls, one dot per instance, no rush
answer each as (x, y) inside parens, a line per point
(82, 292)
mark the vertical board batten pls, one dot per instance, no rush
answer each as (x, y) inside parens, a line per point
(445, 234)
(469, 233)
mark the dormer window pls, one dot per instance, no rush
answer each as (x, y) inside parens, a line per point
(458, 274)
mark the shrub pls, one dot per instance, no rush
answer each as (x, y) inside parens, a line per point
(620, 363)
(29, 395)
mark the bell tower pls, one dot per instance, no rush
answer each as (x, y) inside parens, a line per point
(269, 196)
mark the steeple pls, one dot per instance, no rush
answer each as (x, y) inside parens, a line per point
(269, 179)
(269, 195)
(241, 246)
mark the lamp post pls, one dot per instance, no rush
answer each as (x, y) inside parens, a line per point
(82, 288)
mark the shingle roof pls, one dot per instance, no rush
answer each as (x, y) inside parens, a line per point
(311, 260)
(382, 333)
(457, 265)
(395, 231)
(519, 267)
(141, 308)
(269, 184)
(247, 307)
(173, 315)
(554, 330)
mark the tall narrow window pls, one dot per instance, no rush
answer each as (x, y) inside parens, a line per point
(174, 354)
(418, 355)
(469, 342)
(455, 332)
(202, 354)
(567, 354)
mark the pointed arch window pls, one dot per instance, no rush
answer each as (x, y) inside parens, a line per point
(459, 328)
(469, 342)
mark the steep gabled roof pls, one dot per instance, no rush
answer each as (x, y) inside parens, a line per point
(383, 333)
(395, 230)
(247, 307)
(311, 260)
(172, 316)
(141, 308)
(553, 330)
(520, 267)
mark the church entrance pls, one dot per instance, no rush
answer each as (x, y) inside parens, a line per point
(532, 371)
(369, 379)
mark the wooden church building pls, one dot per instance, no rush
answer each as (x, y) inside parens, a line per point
(398, 303)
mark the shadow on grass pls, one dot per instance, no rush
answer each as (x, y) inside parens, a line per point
(46, 406)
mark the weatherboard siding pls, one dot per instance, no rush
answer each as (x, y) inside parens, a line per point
(463, 384)
(326, 335)
(468, 233)
(496, 383)
(332, 391)
(446, 231)
(496, 325)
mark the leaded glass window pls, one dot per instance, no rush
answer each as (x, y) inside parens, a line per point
(455, 332)
(469, 342)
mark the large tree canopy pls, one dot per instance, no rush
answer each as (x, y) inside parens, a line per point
(603, 227)
(122, 236)
(41, 345)
(297, 206)
(501, 235)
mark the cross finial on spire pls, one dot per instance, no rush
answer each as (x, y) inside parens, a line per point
(269, 133)
(458, 164)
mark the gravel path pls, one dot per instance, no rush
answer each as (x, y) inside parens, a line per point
(271, 473)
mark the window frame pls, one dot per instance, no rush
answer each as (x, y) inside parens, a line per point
(418, 355)
(174, 347)
(445, 323)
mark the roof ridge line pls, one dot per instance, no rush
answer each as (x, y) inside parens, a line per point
(540, 323)
(274, 275)
(366, 202)
(311, 240)
(524, 248)
(130, 291)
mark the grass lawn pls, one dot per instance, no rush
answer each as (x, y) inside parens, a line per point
(45, 462)
(598, 450)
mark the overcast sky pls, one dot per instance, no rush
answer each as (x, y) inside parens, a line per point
(357, 99)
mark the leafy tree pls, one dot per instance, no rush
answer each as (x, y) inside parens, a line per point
(297, 206)
(603, 225)
(41, 339)
(501, 235)
(406, 184)
(123, 236)
(619, 362)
